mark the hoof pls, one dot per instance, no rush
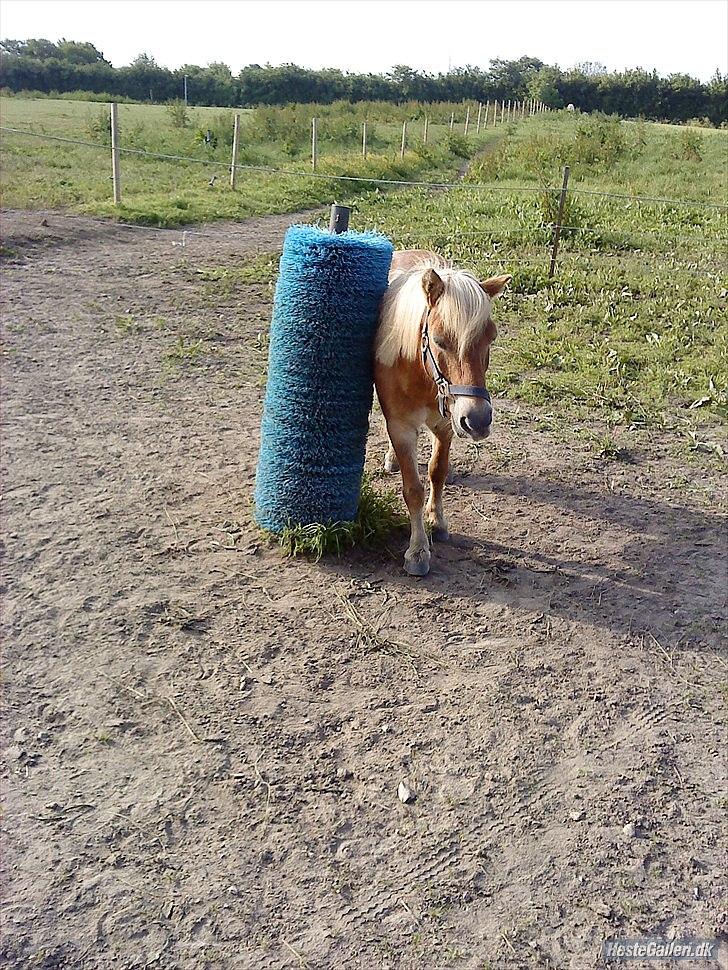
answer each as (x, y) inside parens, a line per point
(441, 535)
(391, 465)
(414, 568)
(418, 564)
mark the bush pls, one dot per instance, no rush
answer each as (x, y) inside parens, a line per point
(639, 141)
(98, 125)
(599, 140)
(178, 114)
(542, 155)
(268, 125)
(573, 215)
(218, 131)
(690, 146)
(459, 145)
(426, 152)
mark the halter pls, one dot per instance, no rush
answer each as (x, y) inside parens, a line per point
(445, 389)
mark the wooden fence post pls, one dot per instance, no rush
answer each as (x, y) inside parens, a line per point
(480, 115)
(557, 227)
(467, 122)
(236, 143)
(339, 220)
(313, 144)
(452, 120)
(523, 110)
(404, 139)
(115, 153)
(364, 139)
(495, 112)
(424, 136)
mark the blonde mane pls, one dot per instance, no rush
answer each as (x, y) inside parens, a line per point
(463, 308)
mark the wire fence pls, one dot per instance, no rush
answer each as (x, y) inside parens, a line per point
(576, 260)
(428, 234)
(470, 186)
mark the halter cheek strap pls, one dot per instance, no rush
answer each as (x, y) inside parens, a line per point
(445, 389)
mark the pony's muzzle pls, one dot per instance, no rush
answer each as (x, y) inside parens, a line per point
(472, 418)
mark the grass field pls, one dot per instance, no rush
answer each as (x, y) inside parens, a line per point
(47, 174)
(633, 325)
(631, 328)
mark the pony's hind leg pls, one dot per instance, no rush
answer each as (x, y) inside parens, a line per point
(391, 464)
(404, 442)
(439, 471)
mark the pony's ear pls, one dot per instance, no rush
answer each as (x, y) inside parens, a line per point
(495, 285)
(433, 286)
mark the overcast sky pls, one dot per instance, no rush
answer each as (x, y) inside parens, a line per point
(685, 36)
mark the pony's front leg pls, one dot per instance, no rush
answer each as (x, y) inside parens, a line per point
(391, 464)
(404, 442)
(439, 472)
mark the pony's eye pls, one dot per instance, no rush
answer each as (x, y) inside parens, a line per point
(440, 342)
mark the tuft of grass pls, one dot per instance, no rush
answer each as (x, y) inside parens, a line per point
(182, 351)
(127, 325)
(259, 269)
(379, 515)
(606, 446)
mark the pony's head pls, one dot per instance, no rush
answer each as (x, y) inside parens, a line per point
(457, 307)
(461, 332)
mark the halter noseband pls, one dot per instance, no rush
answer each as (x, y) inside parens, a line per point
(445, 389)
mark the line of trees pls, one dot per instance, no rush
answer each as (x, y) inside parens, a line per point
(70, 66)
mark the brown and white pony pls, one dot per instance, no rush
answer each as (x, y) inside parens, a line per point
(432, 352)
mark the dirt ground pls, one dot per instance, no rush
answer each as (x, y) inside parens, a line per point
(204, 740)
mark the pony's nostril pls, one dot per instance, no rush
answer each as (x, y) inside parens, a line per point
(476, 424)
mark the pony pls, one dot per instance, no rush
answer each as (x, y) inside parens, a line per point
(432, 349)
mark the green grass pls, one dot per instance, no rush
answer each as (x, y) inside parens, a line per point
(378, 516)
(633, 325)
(183, 351)
(261, 268)
(44, 174)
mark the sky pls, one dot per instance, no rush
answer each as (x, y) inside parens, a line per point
(671, 36)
